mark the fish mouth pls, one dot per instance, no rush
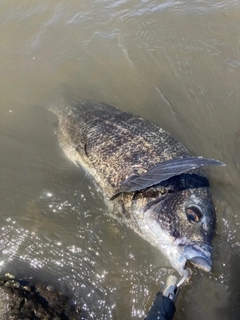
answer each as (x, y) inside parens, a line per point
(199, 255)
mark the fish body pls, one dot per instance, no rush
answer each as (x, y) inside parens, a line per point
(119, 149)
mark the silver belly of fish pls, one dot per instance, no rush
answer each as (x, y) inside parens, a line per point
(146, 176)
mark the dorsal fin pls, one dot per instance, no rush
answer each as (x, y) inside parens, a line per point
(163, 171)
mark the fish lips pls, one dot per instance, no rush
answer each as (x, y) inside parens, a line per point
(198, 254)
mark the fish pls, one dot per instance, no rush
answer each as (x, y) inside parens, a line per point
(149, 180)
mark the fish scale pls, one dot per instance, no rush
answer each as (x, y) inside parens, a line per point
(119, 140)
(126, 156)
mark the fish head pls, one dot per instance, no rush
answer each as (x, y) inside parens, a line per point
(182, 221)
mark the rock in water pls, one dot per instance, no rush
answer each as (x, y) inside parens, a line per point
(30, 299)
(146, 176)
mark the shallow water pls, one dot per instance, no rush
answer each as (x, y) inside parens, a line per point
(174, 63)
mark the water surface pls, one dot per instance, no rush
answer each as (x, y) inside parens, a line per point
(176, 63)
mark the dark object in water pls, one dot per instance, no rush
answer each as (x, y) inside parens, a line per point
(146, 176)
(30, 300)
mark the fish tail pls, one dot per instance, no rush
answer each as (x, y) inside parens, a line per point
(57, 107)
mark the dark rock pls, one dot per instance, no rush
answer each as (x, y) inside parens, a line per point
(29, 299)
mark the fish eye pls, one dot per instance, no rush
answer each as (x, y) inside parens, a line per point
(194, 214)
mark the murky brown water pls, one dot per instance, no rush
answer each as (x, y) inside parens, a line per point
(176, 63)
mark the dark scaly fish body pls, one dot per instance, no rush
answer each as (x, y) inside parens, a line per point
(123, 152)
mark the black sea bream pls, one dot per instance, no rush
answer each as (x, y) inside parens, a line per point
(146, 176)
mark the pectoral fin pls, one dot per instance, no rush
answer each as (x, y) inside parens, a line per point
(163, 171)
